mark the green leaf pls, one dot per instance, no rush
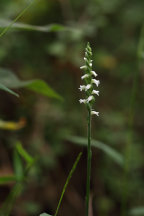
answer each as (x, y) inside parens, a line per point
(21, 26)
(67, 181)
(10, 200)
(23, 153)
(45, 214)
(10, 80)
(41, 87)
(18, 166)
(7, 179)
(116, 156)
(137, 211)
(9, 26)
(4, 88)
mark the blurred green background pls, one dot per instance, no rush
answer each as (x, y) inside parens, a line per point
(50, 129)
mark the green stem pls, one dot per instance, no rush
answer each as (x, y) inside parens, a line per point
(88, 162)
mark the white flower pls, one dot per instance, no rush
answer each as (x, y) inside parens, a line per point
(97, 82)
(94, 73)
(90, 98)
(82, 87)
(89, 78)
(87, 87)
(95, 92)
(95, 113)
(84, 76)
(83, 101)
(83, 67)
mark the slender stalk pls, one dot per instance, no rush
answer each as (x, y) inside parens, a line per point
(89, 80)
(89, 154)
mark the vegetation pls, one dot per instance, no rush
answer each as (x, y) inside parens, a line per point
(42, 125)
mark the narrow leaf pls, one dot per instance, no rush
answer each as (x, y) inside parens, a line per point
(10, 125)
(10, 80)
(9, 202)
(4, 88)
(28, 158)
(7, 179)
(21, 26)
(18, 166)
(67, 181)
(137, 211)
(116, 156)
(41, 87)
(11, 23)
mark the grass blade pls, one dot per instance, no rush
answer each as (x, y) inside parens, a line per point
(116, 156)
(7, 28)
(28, 158)
(4, 88)
(8, 204)
(27, 27)
(7, 179)
(67, 181)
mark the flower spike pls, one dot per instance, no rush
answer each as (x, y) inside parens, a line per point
(90, 81)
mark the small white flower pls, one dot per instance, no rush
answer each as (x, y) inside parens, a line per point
(82, 87)
(87, 87)
(83, 67)
(84, 76)
(94, 73)
(95, 113)
(95, 92)
(90, 64)
(83, 101)
(90, 98)
(97, 82)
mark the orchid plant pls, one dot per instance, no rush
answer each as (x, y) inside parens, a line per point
(89, 78)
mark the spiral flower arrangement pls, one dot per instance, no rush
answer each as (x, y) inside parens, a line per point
(90, 81)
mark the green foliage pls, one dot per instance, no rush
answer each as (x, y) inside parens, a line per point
(67, 181)
(24, 154)
(8, 27)
(9, 202)
(4, 88)
(18, 166)
(7, 179)
(137, 211)
(26, 27)
(115, 31)
(20, 175)
(116, 156)
(10, 80)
